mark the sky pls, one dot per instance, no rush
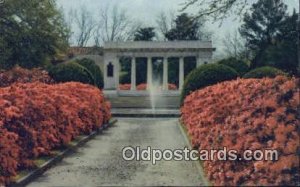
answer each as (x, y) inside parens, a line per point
(146, 11)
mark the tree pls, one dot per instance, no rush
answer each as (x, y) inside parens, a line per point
(234, 46)
(165, 23)
(186, 28)
(85, 25)
(31, 32)
(298, 41)
(283, 53)
(144, 34)
(220, 10)
(115, 25)
(261, 28)
(97, 35)
(217, 9)
(69, 19)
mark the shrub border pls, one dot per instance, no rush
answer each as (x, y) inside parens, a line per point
(73, 146)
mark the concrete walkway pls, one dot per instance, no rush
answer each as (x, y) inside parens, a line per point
(100, 162)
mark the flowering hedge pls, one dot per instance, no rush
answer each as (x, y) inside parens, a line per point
(124, 86)
(21, 75)
(142, 86)
(172, 87)
(253, 114)
(36, 118)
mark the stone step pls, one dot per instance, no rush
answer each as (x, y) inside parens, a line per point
(145, 102)
(135, 112)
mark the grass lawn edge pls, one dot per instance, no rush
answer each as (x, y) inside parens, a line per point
(200, 163)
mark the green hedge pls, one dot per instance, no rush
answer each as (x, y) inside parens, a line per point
(94, 69)
(238, 65)
(207, 75)
(262, 72)
(72, 71)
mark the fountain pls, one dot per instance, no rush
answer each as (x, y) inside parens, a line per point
(153, 89)
(155, 83)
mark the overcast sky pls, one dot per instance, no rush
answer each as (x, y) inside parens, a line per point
(146, 11)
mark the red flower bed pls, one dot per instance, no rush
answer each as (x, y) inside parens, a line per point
(21, 75)
(124, 86)
(35, 118)
(142, 86)
(172, 87)
(247, 115)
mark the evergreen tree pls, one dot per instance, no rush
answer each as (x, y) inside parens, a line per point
(144, 34)
(262, 27)
(186, 28)
(283, 53)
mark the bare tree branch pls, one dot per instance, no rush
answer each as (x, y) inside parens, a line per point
(97, 35)
(235, 46)
(216, 9)
(114, 25)
(165, 23)
(69, 23)
(85, 25)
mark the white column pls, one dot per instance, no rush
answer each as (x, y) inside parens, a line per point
(165, 73)
(133, 73)
(199, 61)
(181, 72)
(105, 75)
(117, 72)
(149, 73)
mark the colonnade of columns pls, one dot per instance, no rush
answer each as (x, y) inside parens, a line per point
(150, 73)
(165, 81)
(165, 72)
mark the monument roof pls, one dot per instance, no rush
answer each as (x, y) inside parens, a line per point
(76, 51)
(159, 45)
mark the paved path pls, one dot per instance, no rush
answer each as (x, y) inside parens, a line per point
(100, 163)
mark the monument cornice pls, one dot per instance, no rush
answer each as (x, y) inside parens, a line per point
(155, 50)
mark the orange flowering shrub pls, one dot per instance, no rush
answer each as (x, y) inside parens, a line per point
(253, 114)
(9, 155)
(172, 87)
(36, 118)
(124, 86)
(142, 86)
(21, 75)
